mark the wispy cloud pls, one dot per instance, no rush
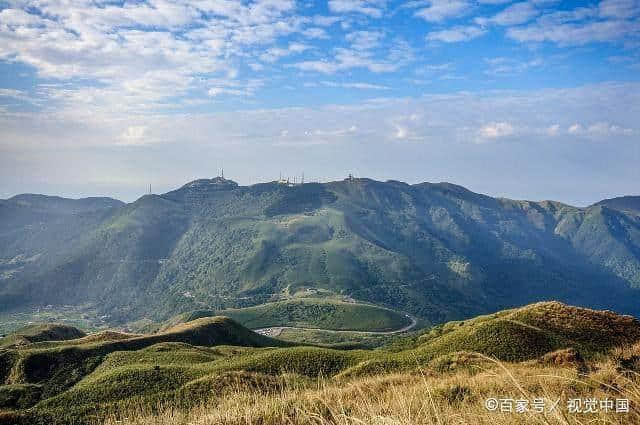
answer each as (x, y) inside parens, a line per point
(509, 66)
(612, 20)
(20, 95)
(353, 85)
(344, 59)
(456, 34)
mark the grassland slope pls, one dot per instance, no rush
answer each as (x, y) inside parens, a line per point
(175, 368)
(41, 332)
(59, 366)
(309, 313)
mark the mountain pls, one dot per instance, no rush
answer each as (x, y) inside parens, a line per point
(629, 204)
(437, 251)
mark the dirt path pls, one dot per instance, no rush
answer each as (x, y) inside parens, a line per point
(275, 331)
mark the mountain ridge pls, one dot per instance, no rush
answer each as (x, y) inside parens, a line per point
(609, 202)
(437, 250)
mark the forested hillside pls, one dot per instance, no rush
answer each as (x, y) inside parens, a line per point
(437, 251)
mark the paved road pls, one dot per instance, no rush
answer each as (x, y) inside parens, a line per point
(277, 330)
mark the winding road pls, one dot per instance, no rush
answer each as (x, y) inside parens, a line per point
(275, 331)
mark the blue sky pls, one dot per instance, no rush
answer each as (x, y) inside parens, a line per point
(534, 99)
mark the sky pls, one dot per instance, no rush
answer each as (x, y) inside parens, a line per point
(536, 99)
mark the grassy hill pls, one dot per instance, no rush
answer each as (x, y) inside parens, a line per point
(211, 359)
(435, 397)
(54, 366)
(41, 332)
(437, 251)
(309, 313)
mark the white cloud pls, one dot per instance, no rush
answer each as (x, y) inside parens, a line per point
(401, 132)
(495, 130)
(17, 95)
(568, 34)
(613, 22)
(364, 40)
(515, 14)
(440, 10)
(599, 130)
(576, 129)
(234, 88)
(275, 53)
(336, 132)
(501, 66)
(347, 59)
(371, 8)
(434, 68)
(356, 85)
(325, 21)
(407, 127)
(619, 9)
(135, 135)
(608, 129)
(319, 33)
(553, 130)
(142, 55)
(442, 121)
(456, 34)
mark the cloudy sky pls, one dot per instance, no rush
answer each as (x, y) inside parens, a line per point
(535, 99)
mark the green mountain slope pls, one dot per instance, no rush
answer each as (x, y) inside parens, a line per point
(309, 313)
(437, 251)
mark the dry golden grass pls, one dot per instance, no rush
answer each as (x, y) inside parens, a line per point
(421, 397)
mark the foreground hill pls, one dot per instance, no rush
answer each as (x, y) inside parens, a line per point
(83, 381)
(437, 251)
(42, 370)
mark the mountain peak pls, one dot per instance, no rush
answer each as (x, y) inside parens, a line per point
(64, 205)
(217, 183)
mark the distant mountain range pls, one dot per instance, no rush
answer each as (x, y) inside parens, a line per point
(437, 251)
